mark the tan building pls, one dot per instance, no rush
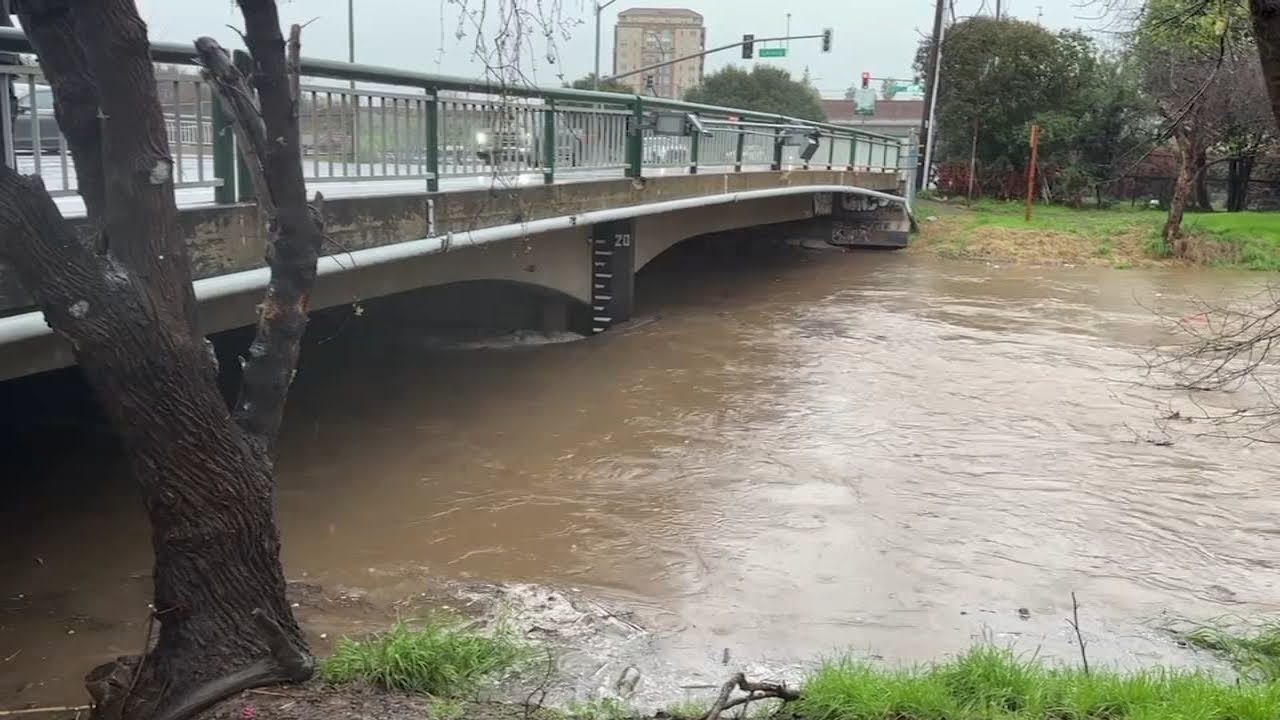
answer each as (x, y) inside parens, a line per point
(646, 36)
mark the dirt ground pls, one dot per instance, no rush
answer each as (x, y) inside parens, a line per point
(315, 701)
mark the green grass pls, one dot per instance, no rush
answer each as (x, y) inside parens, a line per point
(687, 709)
(440, 657)
(1254, 652)
(607, 708)
(1255, 234)
(1251, 240)
(992, 684)
(1092, 222)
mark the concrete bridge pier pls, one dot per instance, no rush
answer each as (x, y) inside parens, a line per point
(862, 221)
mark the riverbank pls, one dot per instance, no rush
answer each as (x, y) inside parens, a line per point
(1120, 237)
(394, 682)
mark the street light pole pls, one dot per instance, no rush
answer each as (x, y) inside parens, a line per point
(595, 79)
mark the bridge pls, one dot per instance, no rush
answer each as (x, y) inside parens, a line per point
(435, 180)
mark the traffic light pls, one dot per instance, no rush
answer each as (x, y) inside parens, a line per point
(826, 40)
(866, 80)
(748, 46)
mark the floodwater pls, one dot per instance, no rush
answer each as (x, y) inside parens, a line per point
(874, 453)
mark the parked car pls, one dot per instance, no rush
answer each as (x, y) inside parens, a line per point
(29, 114)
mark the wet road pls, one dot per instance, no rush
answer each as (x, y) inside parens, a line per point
(870, 451)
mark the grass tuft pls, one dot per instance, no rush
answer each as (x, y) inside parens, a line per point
(441, 657)
(986, 683)
(1253, 652)
(606, 708)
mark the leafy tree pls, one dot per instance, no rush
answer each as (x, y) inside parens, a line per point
(1188, 59)
(1001, 75)
(606, 85)
(764, 89)
(1095, 133)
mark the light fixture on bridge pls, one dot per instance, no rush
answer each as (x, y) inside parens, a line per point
(674, 123)
(805, 139)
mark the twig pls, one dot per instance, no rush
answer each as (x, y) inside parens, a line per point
(142, 656)
(541, 690)
(755, 691)
(40, 710)
(272, 693)
(1074, 622)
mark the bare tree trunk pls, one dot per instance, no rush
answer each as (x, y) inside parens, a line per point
(1181, 192)
(1266, 32)
(1239, 176)
(1204, 202)
(127, 307)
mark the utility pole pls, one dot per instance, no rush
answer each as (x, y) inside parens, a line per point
(931, 94)
(998, 13)
(600, 6)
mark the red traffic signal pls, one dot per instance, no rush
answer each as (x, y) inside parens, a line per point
(866, 80)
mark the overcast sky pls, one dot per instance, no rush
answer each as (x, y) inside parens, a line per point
(878, 36)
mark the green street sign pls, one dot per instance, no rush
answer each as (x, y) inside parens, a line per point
(773, 52)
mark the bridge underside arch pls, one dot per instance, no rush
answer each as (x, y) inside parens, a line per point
(657, 233)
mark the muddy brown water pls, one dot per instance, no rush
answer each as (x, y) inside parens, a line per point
(872, 453)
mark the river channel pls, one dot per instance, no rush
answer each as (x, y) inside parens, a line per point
(876, 453)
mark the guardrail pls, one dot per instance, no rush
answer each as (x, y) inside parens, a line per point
(367, 123)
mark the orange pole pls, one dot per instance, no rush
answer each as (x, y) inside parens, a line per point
(1031, 169)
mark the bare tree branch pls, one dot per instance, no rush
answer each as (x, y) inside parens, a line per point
(296, 226)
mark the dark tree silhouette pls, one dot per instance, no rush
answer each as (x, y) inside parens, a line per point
(123, 299)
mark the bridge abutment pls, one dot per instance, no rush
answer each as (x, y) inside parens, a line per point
(860, 221)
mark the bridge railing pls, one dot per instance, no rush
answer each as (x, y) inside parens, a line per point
(361, 123)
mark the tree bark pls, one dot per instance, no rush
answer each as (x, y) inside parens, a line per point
(1181, 192)
(51, 28)
(1239, 176)
(127, 309)
(1204, 202)
(1266, 32)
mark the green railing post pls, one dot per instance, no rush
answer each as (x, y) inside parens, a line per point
(853, 152)
(694, 147)
(737, 157)
(433, 141)
(224, 153)
(549, 142)
(635, 141)
(777, 150)
(244, 179)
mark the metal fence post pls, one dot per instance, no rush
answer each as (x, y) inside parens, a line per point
(224, 152)
(244, 179)
(635, 141)
(549, 142)
(737, 155)
(433, 140)
(831, 152)
(777, 150)
(695, 146)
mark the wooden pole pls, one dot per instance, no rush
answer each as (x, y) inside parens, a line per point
(973, 159)
(1031, 169)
